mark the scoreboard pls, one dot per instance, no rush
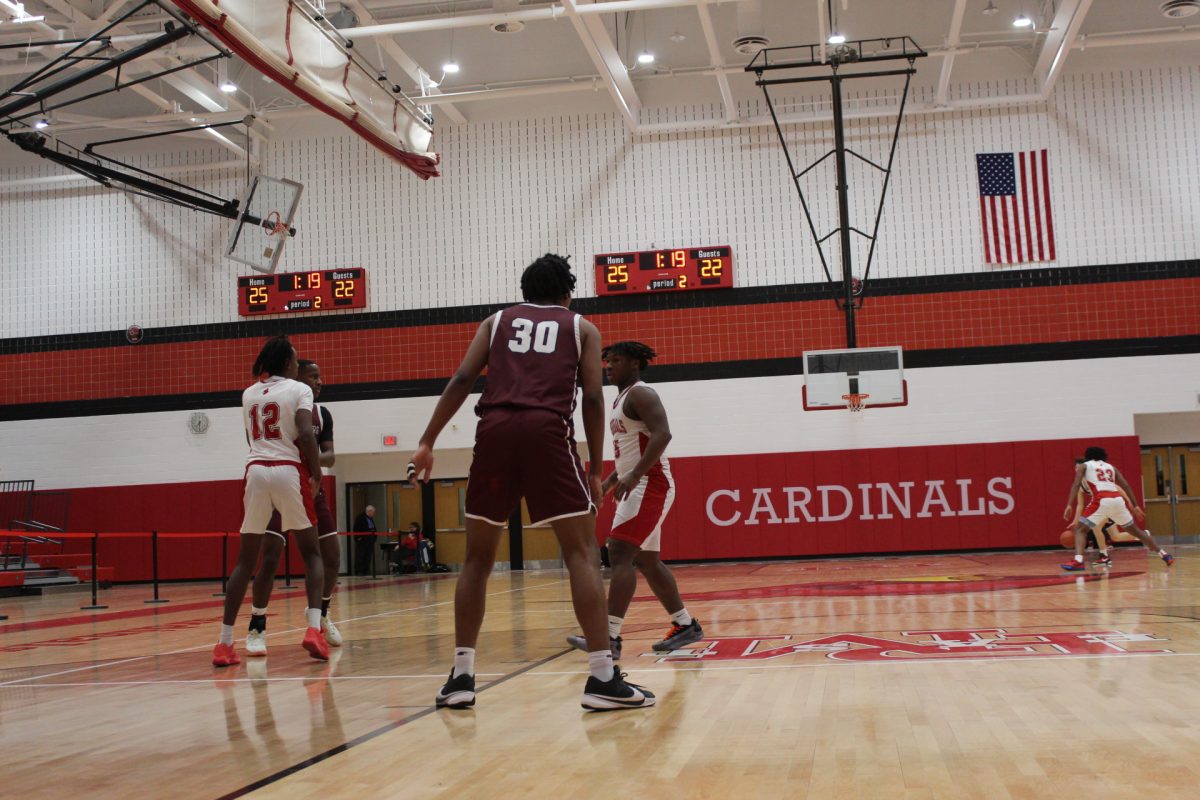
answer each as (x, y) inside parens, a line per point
(681, 269)
(288, 292)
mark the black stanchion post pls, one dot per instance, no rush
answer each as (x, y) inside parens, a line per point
(287, 563)
(154, 565)
(374, 554)
(95, 604)
(224, 563)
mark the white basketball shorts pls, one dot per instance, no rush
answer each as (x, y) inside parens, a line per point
(1106, 508)
(279, 486)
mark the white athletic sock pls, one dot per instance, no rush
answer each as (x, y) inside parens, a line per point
(313, 617)
(258, 612)
(226, 634)
(614, 626)
(1079, 558)
(464, 661)
(682, 617)
(601, 664)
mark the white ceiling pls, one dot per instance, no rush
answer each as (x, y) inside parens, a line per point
(566, 59)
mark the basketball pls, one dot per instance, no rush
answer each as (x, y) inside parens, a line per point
(1067, 539)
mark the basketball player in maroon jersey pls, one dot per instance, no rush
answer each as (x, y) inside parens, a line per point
(327, 538)
(645, 491)
(537, 353)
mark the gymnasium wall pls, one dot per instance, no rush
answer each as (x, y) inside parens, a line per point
(1031, 360)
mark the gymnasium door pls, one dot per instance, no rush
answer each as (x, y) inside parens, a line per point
(1171, 484)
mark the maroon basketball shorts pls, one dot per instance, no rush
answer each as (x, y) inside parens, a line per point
(526, 453)
(326, 524)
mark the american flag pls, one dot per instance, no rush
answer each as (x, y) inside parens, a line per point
(1014, 200)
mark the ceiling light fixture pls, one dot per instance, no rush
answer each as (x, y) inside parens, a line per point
(228, 87)
(836, 38)
(645, 57)
(990, 9)
(1022, 21)
(42, 123)
(450, 67)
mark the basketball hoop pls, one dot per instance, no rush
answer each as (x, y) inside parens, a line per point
(276, 230)
(854, 402)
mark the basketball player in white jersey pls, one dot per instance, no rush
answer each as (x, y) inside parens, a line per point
(645, 491)
(1105, 484)
(264, 580)
(283, 473)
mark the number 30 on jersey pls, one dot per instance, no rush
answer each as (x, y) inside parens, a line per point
(543, 337)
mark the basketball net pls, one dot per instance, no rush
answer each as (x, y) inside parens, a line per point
(854, 402)
(276, 230)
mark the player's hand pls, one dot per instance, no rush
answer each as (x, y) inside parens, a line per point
(315, 484)
(595, 488)
(609, 483)
(1139, 515)
(624, 486)
(420, 465)
(1067, 513)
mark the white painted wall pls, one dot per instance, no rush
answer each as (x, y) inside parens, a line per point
(1123, 172)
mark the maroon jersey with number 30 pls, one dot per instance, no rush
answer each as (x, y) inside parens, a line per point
(534, 360)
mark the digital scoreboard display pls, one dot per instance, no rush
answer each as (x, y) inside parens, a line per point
(678, 270)
(289, 292)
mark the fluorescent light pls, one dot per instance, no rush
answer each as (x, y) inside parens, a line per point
(837, 38)
(645, 57)
(228, 87)
(450, 67)
(1022, 21)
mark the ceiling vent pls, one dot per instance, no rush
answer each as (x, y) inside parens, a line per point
(508, 25)
(751, 36)
(1178, 9)
(751, 44)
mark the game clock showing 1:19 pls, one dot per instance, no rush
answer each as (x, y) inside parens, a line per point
(288, 292)
(681, 269)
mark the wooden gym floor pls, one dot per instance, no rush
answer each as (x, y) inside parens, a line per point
(963, 676)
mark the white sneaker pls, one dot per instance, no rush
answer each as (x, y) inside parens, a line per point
(256, 644)
(332, 635)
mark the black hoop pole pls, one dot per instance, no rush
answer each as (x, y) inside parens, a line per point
(224, 563)
(154, 565)
(95, 604)
(287, 563)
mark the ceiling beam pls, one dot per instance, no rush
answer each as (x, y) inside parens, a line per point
(548, 12)
(403, 60)
(1064, 30)
(952, 40)
(714, 55)
(607, 61)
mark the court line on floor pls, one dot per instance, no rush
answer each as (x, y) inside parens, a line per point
(195, 648)
(366, 737)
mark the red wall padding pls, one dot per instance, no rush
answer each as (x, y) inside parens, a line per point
(1040, 473)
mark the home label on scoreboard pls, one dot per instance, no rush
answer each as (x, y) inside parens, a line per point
(289, 292)
(680, 269)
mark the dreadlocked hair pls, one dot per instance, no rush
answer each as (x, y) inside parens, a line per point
(274, 356)
(547, 280)
(642, 353)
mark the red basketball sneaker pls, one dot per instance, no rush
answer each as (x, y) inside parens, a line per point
(315, 644)
(225, 656)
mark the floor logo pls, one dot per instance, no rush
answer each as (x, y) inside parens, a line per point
(922, 646)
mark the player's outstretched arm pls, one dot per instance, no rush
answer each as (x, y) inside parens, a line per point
(1079, 468)
(452, 398)
(591, 380)
(307, 442)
